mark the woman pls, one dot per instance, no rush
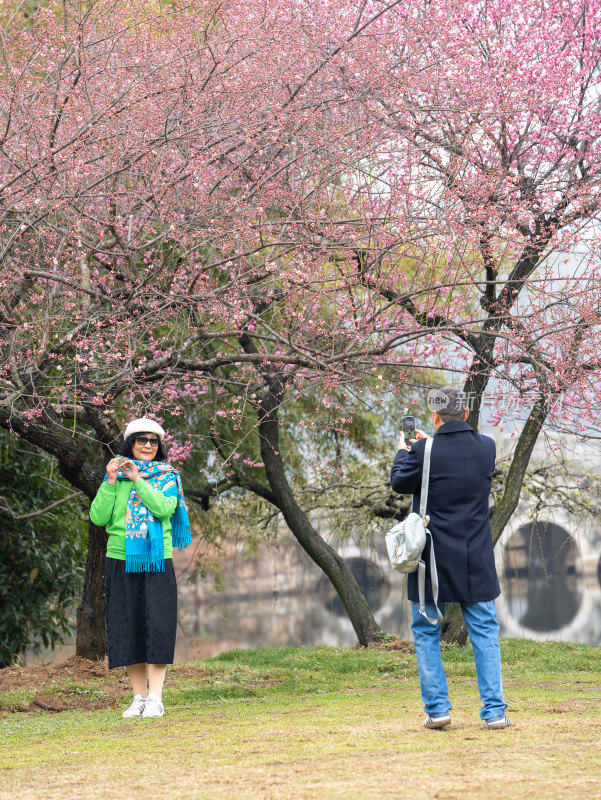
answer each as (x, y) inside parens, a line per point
(142, 505)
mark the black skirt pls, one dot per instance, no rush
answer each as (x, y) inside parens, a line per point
(141, 614)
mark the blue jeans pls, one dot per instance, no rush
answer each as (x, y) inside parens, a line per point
(483, 629)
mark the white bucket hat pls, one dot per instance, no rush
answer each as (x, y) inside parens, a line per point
(144, 425)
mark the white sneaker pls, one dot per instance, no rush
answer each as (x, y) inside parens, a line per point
(154, 707)
(137, 707)
(497, 724)
(437, 722)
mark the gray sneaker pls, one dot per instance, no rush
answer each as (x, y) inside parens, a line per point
(154, 707)
(497, 724)
(437, 722)
(137, 707)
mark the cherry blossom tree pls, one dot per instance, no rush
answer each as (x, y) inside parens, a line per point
(505, 130)
(239, 205)
(168, 185)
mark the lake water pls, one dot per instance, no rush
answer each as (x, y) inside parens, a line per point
(278, 597)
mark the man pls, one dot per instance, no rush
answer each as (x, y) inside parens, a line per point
(461, 470)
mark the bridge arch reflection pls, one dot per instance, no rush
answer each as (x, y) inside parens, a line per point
(543, 580)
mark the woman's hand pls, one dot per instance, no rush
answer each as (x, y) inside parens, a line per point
(112, 468)
(131, 471)
(115, 464)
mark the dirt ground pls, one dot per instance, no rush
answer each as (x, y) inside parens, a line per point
(73, 684)
(74, 669)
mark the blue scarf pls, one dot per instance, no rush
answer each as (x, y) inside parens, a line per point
(144, 550)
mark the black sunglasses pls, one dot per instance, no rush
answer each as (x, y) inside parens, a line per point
(153, 441)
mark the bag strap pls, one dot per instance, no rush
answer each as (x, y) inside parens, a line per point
(421, 585)
(423, 500)
(421, 570)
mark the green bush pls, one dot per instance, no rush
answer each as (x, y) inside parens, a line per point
(42, 559)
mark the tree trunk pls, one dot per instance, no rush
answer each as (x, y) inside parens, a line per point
(453, 626)
(322, 554)
(506, 505)
(91, 627)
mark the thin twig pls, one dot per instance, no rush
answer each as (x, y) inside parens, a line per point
(6, 507)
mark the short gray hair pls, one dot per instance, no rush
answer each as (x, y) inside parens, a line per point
(449, 403)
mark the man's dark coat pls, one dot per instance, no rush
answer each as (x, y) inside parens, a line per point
(461, 469)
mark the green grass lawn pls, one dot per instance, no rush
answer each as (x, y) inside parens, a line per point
(320, 723)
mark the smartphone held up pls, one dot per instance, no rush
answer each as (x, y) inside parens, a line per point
(409, 428)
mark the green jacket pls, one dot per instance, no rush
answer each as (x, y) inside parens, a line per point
(109, 509)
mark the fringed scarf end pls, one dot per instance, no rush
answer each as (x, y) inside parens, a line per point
(142, 563)
(181, 536)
